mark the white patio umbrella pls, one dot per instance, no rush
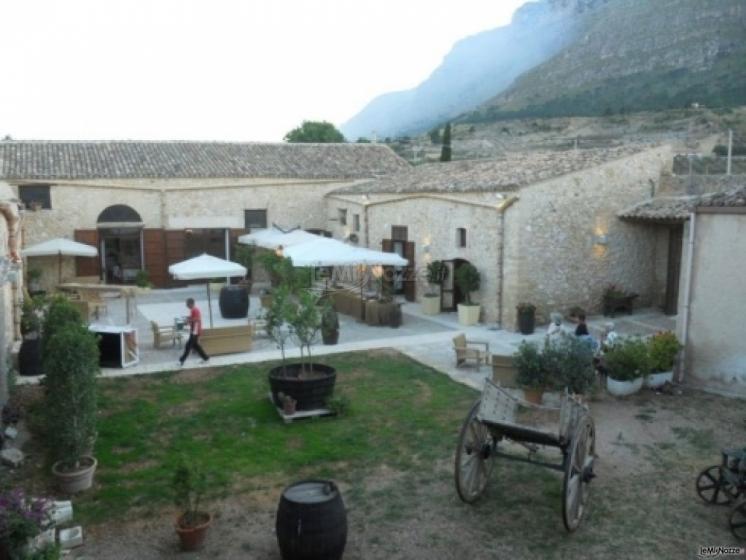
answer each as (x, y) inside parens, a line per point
(60, 247)
(205, 267)
(331, 252)
(274, 238)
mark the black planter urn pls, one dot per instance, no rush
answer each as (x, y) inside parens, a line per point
(311, 388)
(526, 321)
(29, 357)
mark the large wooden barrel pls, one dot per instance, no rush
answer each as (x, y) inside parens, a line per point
(234, 302)
(311, 521)
(311, 389)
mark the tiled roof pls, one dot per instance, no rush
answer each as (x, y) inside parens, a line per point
(131, 159)
(732, 198)
(663, 209)
(508, 173)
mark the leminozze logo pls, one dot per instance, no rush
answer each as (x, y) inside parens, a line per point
(717, 551)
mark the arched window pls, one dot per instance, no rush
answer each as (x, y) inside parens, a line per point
(119, 213)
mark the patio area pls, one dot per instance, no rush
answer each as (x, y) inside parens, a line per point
(425, 338)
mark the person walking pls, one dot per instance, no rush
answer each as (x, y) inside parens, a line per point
(195, 331)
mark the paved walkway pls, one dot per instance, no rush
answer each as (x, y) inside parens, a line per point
(427, 339)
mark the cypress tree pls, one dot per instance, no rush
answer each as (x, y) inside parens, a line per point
(445, 151)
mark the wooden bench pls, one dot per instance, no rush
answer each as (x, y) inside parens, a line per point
(227, 340)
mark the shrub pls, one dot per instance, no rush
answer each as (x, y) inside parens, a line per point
(525, 307)
(142, 279)
(61, 314)
(663, 348)
(437, 272)
(329, 319)
(245, 257)
(21, 519)
(569, 363)
(613, 291)
(31, 315)
(529, 362)
(628, 359)
(467, 278)
(71, 363)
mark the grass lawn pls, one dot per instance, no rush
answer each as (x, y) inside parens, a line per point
(401, 414)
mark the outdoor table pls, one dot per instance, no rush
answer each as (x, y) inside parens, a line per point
(117, 345)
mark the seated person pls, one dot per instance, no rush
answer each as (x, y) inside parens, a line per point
(555, 326)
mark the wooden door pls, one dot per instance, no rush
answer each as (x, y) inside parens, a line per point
(174, 252)
(387, 246)
(88, 266)
(675, 238)
(154, 253)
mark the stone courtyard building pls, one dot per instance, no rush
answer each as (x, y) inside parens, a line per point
(146, 205)
(540, 227)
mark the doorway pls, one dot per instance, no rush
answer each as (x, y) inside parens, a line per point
(451, 295)
(121, 254)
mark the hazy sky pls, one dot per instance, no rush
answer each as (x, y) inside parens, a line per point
(216, 69)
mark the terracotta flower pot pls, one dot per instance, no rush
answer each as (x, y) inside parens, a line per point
(72, 482)
(193, 537)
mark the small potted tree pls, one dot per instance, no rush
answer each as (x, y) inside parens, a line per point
(34, 280)
(189, 485)
(532, 374)
(569, 363)
(526, 317)
(663, 348)
(71, 364)
(627, 363)
(436, 275)
(467, 278)
(329, 325)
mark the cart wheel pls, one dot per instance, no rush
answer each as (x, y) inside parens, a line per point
(578, 473)
(737, 520)
(714, 489)
(474, 457)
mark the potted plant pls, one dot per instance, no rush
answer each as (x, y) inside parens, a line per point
(436, 275)
(329, 325)
(569, 363)
(532, 373)
(663, 348)
(526, 317)
(189, 485)
(467, 278)
(29, 355)
(71, 363)
(23, 523)
(627, 363)
(142, 281)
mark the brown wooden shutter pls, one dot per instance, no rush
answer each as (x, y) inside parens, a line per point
(174, 252)
(154, 248)
(88, 266)
(410, 280)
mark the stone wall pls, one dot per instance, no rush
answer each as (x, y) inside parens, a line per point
(672, 185)
(716, 356)
(10, 294)
(564, 244)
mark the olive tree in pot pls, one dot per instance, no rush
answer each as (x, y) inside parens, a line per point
(532, 374)
(189, 484)
(627, 362)
(71, 364)
(568, 360)
(467, 278)
(663, 348)
(309, 384)
(436, 275)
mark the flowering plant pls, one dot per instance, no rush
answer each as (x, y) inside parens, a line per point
(21, 519)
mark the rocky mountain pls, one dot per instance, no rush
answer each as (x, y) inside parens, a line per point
(475, 70)
(637, 55)
(578, 57)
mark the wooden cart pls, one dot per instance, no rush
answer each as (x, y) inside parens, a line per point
(494, 420)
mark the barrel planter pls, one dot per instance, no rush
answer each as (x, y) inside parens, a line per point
(311, 389)
(29, 357)
(330, 337)
(234, 302)
(311, 522)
